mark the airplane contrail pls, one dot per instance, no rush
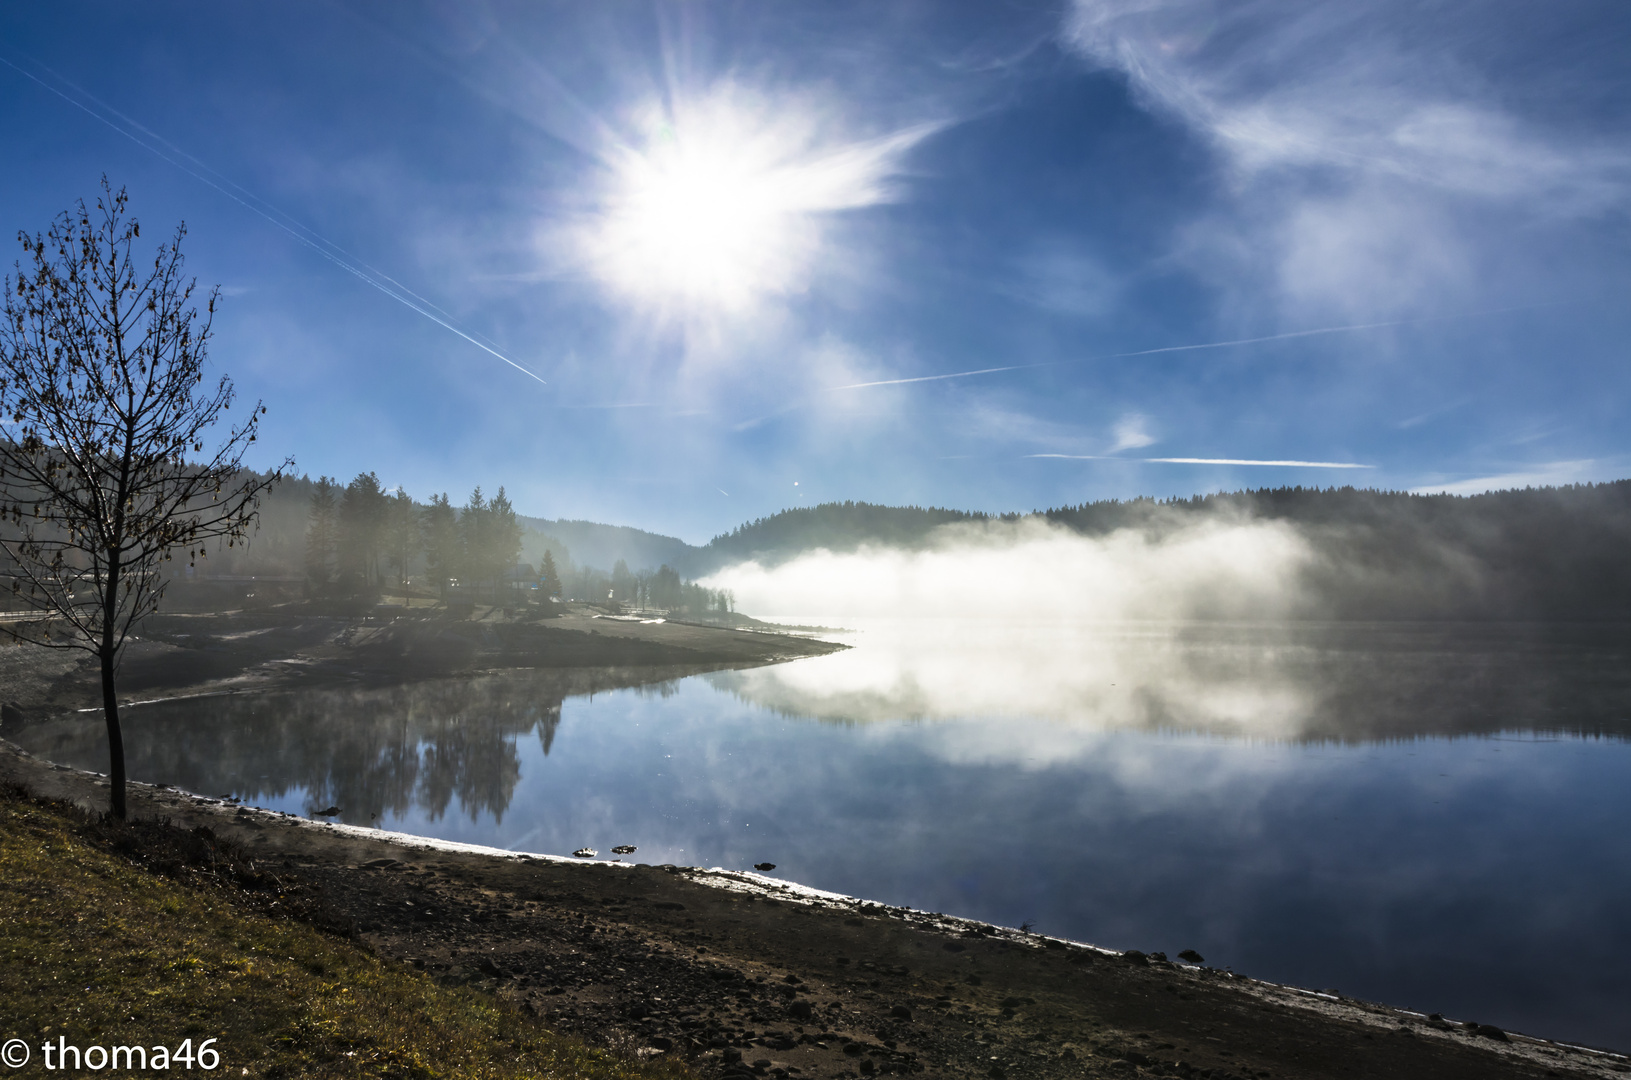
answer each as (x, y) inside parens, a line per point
(1152, 352)
(1248, 461)
(1208, 461)
(324, 247)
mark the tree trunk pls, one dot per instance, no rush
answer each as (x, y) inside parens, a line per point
(116, 740)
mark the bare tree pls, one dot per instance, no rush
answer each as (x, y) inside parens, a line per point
(104, 476)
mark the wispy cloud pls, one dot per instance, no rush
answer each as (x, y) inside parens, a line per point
(167, 151)
(1063, 281)
(1422, 418)
(1005, 424)
(1253, 461)
(1132, 432)
(1285, 464)
(1379, 88)
(1546, 475)
(1287, 336)
(1360, 139)
(616, 405)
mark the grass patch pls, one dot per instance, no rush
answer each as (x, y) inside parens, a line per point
(99, 950)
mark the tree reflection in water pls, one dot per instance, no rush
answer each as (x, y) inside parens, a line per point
(375, 752)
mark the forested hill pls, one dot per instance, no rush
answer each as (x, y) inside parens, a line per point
(1589, 506)
(601, 546)
(1536, 553)
(835, 526)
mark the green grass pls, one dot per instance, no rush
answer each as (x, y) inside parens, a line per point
(100, 950)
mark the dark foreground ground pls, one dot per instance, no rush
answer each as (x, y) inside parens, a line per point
(735, 974)
(741, 974)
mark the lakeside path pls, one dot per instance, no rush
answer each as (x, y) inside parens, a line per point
(738, 974)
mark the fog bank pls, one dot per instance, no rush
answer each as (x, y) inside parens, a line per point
(1211, 627)
(1033, 569)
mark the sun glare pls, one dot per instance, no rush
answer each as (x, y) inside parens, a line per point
(722, 202)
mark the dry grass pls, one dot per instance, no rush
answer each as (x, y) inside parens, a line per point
(99, 950)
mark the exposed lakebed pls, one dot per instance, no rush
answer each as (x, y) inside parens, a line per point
(1427, 815)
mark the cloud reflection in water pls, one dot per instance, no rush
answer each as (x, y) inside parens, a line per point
(1060, 682)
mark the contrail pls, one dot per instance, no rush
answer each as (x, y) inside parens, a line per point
(326, 248)
(1208, 461)
(1247, 461)
(1151, 352)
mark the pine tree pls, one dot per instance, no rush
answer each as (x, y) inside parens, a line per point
(549, 578)
(622, 582)
(439, 528)
(474, 544)
(503, 537)
(362, 527)
(320, 536)
(401, 536)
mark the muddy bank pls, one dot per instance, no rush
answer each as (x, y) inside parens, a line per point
(286, 648)
(743, 975)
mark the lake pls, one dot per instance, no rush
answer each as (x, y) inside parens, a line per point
(1432, 816)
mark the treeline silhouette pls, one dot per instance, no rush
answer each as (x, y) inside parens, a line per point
(601, 546)
(319, 538)
(1551, 553)
(835, 526)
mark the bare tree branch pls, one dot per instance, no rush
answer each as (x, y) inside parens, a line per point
(104, 472)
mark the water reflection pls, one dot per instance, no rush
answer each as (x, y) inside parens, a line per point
(1029, 693)
(375, 752)
(1277, 797)
(1346, 682)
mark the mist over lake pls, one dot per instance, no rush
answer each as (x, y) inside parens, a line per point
(1429, 815)
(1148, 479)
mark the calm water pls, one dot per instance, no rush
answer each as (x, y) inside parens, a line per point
(1436, 817)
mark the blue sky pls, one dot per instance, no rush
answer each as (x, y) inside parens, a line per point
(737, 245)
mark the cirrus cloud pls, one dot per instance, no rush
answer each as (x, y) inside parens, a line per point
(1377, 157)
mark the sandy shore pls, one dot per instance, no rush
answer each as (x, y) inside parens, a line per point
(742, 974)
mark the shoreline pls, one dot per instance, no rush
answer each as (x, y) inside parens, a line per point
(197, 655)
(822, 984)
(736, 973)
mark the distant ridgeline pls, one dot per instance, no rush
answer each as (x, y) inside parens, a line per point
(1539, 553)
(841, 527)
(603, 546)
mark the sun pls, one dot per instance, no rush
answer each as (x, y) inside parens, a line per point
(726, 200)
